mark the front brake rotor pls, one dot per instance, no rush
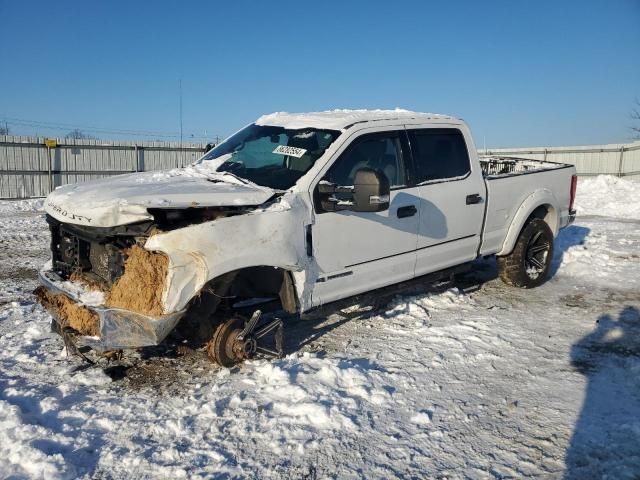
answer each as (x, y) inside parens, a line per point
(237, 340)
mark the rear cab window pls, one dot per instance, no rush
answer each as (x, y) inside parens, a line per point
(439, 154)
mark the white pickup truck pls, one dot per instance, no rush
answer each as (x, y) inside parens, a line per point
(305, 209)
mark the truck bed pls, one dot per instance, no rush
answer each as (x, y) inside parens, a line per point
(498, 167)
(510, 181)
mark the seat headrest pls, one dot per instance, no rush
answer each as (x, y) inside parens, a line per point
(374, 149)
(306, 140)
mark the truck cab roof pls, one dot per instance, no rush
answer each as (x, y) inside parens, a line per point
(343, 119)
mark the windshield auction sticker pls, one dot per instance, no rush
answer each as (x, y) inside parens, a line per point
(290, 151)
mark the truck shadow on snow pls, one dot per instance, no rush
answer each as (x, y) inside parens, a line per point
(309, 332)
(303, 333)
(606, 437)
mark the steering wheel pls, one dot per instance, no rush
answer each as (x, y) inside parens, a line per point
(234, 166)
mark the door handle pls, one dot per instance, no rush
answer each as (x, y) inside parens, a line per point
(475, 198)
(408, 211)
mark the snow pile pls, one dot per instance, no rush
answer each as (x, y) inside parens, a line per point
(80, 292)
(8, 207)
(608, 196)
(603, 253)
(203, 169)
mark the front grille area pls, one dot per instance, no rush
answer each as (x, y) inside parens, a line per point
(88, 251)
(107, 261)
(70, 254)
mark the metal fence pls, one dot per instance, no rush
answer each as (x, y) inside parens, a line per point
(30, 168)
(622, 160)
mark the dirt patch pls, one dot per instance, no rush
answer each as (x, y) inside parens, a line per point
(140, 287)
(90, 283)
(164, 374)
(68, 312)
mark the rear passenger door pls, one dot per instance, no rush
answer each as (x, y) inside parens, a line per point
(452, 198)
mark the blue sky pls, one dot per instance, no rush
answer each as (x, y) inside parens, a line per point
(521, 73)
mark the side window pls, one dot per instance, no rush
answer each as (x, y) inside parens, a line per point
(380, 151)
(439, 154)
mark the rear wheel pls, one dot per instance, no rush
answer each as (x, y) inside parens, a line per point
(527, 266)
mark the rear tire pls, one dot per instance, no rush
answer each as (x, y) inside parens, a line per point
(527, 266)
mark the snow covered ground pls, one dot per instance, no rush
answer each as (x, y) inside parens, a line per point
(469, 380)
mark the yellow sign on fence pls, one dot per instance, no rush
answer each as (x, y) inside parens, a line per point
(51, 142)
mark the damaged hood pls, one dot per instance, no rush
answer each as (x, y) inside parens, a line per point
(124, 199)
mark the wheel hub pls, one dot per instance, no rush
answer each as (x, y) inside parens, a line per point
(234, 342)
(238, 349)
(249, 346)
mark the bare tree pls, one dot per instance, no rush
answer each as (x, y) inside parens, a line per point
(635, 116)
(77, 134)
(4, 129)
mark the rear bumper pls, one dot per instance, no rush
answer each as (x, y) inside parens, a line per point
(118, 328)
(567, 217)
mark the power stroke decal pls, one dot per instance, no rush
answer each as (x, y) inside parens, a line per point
(63, 212)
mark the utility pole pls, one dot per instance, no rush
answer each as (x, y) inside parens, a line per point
(181, 151)
(180, 87)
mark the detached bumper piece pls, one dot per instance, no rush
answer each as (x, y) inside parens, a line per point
(117, 328)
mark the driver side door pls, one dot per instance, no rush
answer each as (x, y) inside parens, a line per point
(359, 251)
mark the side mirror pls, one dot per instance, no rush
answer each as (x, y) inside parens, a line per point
(370, 191)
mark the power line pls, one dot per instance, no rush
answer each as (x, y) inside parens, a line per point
(93, 129)
(57, 125)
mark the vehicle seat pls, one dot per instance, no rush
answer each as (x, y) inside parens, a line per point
(309, 142)
(390, 169)
(371, 154)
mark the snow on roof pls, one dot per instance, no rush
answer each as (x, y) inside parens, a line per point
(342, 118)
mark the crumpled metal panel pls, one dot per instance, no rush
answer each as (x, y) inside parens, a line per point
(125, 329)
(118, 328)
(125, 199)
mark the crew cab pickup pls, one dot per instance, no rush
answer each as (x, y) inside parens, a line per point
(303, 209)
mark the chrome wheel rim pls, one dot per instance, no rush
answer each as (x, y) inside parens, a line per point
(537, 255)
